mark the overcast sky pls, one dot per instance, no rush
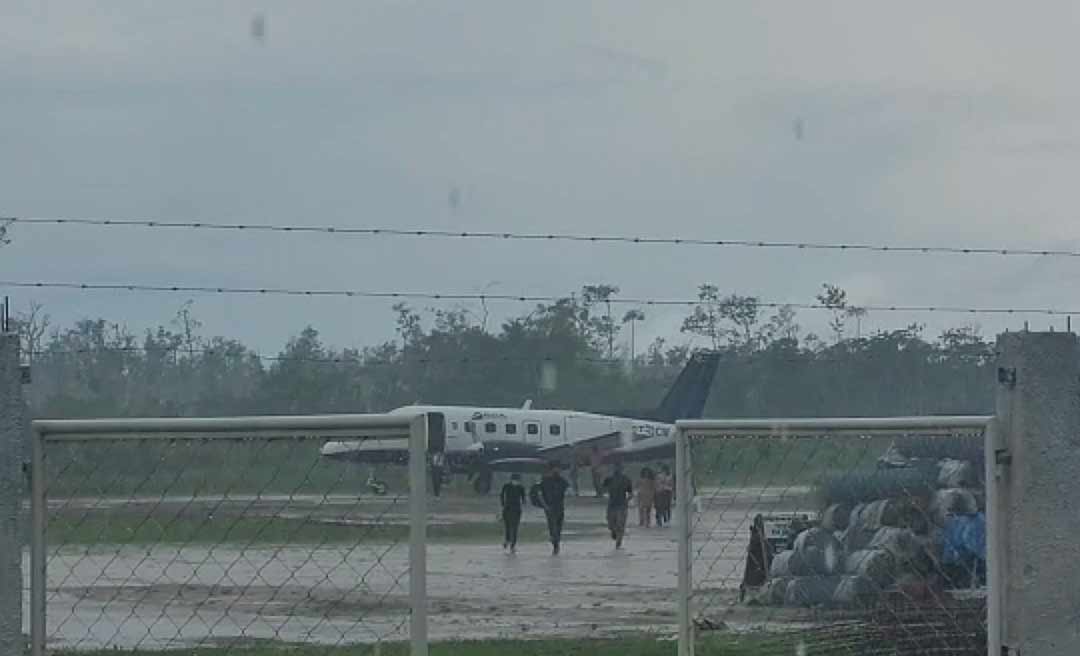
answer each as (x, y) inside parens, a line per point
(917, 122)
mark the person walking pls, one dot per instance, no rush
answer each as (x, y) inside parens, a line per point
(620, 489)
(512, 499)
(553, 495)
(596, 466)
(438, 469)
(665, 492)
(646, 494)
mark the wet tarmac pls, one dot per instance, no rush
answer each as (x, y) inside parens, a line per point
(158, 596)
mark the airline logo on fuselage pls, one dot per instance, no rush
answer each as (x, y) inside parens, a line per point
(645, 431)
(488, 415)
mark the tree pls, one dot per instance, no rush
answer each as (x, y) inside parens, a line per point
(711, 311)
(97, 367)
(32, 326)
(603, 329)
(409, 327)
(704, 319)
(189, 327)
(742, 311)
(781, 327)
(835, 299)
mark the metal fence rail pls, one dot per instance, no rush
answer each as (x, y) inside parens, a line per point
(173, 532)
(795, 535)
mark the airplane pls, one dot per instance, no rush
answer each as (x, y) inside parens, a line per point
(479, 441)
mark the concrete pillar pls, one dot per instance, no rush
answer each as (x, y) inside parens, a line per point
(1038, 408)
(12, 487)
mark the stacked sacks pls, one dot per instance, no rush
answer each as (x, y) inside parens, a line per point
(957, 508)
(952, 501)
(875, 565)
(817, 553)
(820, 571)
(807, 574)
(888, 529)
(869, 518)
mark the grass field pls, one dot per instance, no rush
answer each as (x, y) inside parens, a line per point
(119, 528)
(184, 468)
(732, 646)
(778, 461)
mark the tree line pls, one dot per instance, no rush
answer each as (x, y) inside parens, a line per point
(575, 352)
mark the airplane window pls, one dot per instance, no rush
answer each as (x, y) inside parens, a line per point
(470, 427)
(511, 429)
(554, 429)
(532, 429)
(453, 425)
(490, 427)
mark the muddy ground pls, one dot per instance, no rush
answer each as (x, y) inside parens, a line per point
(162, 595)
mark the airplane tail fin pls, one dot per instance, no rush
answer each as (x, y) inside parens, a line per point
(687, 396)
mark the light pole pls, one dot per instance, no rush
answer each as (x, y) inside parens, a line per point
(632, 317)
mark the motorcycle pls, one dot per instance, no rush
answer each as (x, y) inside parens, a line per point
(375, 486)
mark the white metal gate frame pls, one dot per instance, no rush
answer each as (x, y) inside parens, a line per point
(849, 427)
(412, 429)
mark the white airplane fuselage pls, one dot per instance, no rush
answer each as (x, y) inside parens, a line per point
(481, 440)
(498, 437)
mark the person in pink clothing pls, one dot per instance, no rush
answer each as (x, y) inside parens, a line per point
(646, 494)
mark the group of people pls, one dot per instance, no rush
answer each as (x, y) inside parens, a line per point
(549, 494)
(654, 491)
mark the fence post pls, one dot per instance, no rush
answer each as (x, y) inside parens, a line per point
(684, 516)
(418, 444)
(1038, 408)
(995, 583)
(38, 527)
(11, 495)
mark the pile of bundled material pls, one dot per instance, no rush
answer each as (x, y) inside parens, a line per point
(914, 526)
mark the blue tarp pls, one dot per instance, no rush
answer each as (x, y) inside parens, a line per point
(964, 538)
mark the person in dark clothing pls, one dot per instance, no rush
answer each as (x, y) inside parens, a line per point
(512, 498)
(758, 559)
(438, 472)
(620, 489)
(596, 468)
(665, 491)
(553, 495)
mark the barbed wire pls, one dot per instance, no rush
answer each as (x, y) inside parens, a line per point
(518, 298)
(547, 236)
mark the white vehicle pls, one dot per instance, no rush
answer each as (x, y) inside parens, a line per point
(480, 441)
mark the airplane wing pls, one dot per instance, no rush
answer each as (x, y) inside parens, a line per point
(645, 451)
(371, 451)
(604, 441)
(655, 448)
(522, 465)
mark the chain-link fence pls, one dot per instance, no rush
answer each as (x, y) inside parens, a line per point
(839, 536)
(159, 534)
(188, 533)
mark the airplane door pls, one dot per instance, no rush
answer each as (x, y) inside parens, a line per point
(436, 432)
(533, 431)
